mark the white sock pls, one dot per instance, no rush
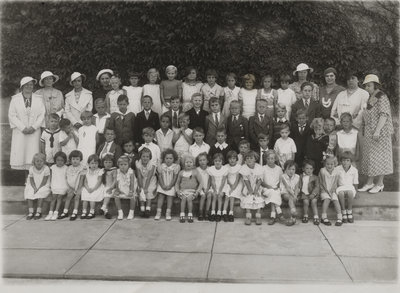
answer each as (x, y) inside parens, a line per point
(182, 214)
(142, 208)
(212, 212)
(92, 211)
(230, 212)
(120, 212)
(219, 213)
(147, 208)
(190, 215)
(65, 211)
(273, 215)
(324, 216)
(75, 211)
(39, 210)
(224, 212)
(278, 210)
(315, 216)
(84, 211)
(103, 207)
(50, 213)
(55, 212)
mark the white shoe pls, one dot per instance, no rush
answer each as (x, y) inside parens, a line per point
(168, 216)
(55, 216)
(158, 216)
(131, 215)
(376, 189)
(366, 187)
(120, 215)
(49, 216)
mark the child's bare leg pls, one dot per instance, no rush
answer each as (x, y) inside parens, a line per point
(52, 202)
(39, 205)
(84, 207)
(342, 202)
(350, 197)
(325, 205)
(209, 201)
(77, 199)
(214, 203)
(292, 206)
(231, 204)
(306, 203)
(118, 205)
(314, 207)
(160, 202)
(30, 206)
(337, 209)
(58, 202)
(132, 203)
(201, 204)
(190, 205)
(70, 196)
(220, 200)
(92, 206)
(148, 204)
(183, 205)
(105, 204)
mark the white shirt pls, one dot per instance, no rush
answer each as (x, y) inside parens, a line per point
(261, 116)
(306, 180)
(282, 120)
(272, 175)
(235, 116)
(100, 123)
(196, 149)
(347, 141)
(164, 141)
(348, 178)
(285, 146)
(261, 155)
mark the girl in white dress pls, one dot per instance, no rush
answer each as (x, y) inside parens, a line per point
(235, 185)
(290, 188)
(87, 136)
(247, 96)
(211, 89)
(190, 86)
(270, 184)
(269, 94)
(205, 193)
(124, 187)
(218, 174)
(231, 93)
(93, 188)
(167, 175)
(252, 174)
(112, 96)
(37, 185)
(146, 181)
(286, 96)
(152, 89)
(59, 185)
(109, 180)
(183, 136)
(134, 93)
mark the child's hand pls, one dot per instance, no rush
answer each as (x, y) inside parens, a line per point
(130, 194)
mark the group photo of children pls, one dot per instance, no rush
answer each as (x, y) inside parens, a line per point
(270, 143)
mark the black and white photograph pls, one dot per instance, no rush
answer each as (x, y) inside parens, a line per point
(199, 146)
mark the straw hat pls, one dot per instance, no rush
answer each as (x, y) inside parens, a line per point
(47, 74)
(301, 67)
(101, 72)
(25, 80)
(371, 78)
(75, 75)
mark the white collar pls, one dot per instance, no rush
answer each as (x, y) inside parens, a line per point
(304, 101)
(261, 115)
(120, 113)
(281, 119)
(262, 150)
(224, 145)
(199, 146)
(105, 116)
(173, 111)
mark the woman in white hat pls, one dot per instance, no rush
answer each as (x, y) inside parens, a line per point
(377, 153)
(302, 73)
(26, 115)
(78, 100)
(103, 77)
(53, 99)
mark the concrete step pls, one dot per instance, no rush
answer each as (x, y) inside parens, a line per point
(381, 206)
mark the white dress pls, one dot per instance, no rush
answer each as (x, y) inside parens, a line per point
(71, 144)
(59, 179)
(218, 175)
(284, 148)
(230, 95)
(252, 175)
(167, 174)
(233, 172)
(272, 177)
(87, 141)
(270, 98)
(288, 98)
(205, 177)
(208, 92)
(113, 99)
(124, 183)
(153, 90)
(92, 177)
(74, 174)
(248, 99)
(347, 179)
(134, 96)
(51, 148)
(37, 176)
(181, 145)
(145, 171)
(187, 92)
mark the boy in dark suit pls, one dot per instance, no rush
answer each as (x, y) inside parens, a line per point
(220, 146)
(197, 115)
(263, 141)
(174, 112)
(260, 123)
(146, 118)
(312, 107)
(279, 121)
(299, 132)
(237, 127)
(214, 121)
(109, 146)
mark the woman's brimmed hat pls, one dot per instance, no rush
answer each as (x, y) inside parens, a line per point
(301, 67)
(101, 72)
(371, 78)
(75, 75)
(48, 74)
(25, 80)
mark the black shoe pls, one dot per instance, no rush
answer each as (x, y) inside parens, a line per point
(206, 217)
(200, 217)
(101, 212)
(37, 216)
(212, 218)
(272, 221)
(142, 214)
(90, 216)
(30, 216)
(107, 215)
(83, 216)
(73, 217)
(218, 218)
(147, 214)
(190, 219)
(63, 216)
(231, 218)
(225, 218)
(182, 219)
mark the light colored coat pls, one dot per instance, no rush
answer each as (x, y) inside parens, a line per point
(74, 110)
(24, 146)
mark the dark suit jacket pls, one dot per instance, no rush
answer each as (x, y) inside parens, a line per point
(169, 113)
(123, 126)
(313, 185)
(236, 131)
(300, 141)
(115, 149)
(313, 111)
(256, 127)
(141, 122)
(211, 128)
(214, 150)
(197, 120)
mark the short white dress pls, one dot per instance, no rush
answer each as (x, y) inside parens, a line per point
(135, 97)
(205, 177)
(146, 172)
(124, 183)
(181, 145)
(167, 173)
(74, 174)
(59, 183)
(92, 177)
(37, 176)
(218, 175)
(153, 90)
(87, 141)
(248, 98)
(108, 180)
(187, 92)
(272, 177)
(329, 182)
(252, 175)
(230, 95)
(233, 172)
(347, 179)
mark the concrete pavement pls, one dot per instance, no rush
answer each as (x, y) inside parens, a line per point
(146, 250)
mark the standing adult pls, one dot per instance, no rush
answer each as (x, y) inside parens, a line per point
(329, 92)
(302, 73)
(53, 98)
(26, 115)
(353, 100)
(78, 100)
(103, 77)
(376, 160)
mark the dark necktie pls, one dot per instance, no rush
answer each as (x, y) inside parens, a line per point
(175, 120)
(301, 129)
(216, 119)
(147, 115)
(234, 119)
(307, 104)
(27, 102)
(264, 157)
